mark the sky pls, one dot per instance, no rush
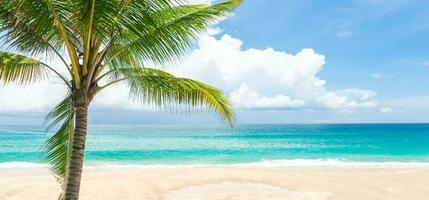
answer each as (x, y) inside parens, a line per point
(284, 61)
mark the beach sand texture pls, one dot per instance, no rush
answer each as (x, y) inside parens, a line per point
(226, 183)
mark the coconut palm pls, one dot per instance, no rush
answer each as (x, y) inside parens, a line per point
(101, 43)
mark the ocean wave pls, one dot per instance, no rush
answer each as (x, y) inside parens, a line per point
(20, 165)
(328, 163)
(145, 166)
(332, 163)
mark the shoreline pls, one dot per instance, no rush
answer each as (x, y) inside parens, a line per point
(292, 163)
(228, 182)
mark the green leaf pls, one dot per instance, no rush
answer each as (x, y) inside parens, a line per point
(28, 27)
(163, 90)
(21, 69)
(57, 147)
(167, 35)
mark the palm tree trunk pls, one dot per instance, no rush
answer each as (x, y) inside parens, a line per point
(76, 159)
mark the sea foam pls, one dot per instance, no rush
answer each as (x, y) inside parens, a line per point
(331, 163)
(21, 165)
(291, 163)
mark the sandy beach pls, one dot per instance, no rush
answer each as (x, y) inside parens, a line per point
(218, 183)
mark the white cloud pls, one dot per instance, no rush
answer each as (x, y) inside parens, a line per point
(414, 107)
(382, 3)
(379, 76)
(425, 63)
(116, 96)
(265, 78)
(349, 98)
(390, 111)
(35, 97)
(344, 33)
(245, 98)
(386, 110)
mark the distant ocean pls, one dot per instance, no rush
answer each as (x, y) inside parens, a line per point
(259, 145)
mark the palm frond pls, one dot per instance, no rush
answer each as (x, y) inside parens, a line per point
(58, 147)
(27, 26)
(65, 35)
(168, 35)
(163, 90)
(40, 27)
(21, 69)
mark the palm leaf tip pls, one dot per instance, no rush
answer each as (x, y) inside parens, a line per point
(236, 3)
(216, 101)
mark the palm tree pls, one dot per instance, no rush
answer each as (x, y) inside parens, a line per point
(102, 43)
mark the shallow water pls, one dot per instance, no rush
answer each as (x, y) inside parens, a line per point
(306, 144)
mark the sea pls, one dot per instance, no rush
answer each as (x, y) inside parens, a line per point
(280, 145)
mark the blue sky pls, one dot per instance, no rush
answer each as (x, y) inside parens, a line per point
(289, 61)
(358, 37)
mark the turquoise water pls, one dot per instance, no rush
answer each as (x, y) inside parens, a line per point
(162, 145)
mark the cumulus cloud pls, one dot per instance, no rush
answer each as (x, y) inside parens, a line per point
(379, 76)
(35, 98)
(344, 33)
(266, 78)
(414, 107)
(245, 98)
(425, 63)
(348, 98)
(386, 110)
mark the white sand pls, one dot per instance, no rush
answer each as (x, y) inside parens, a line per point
(232, 183)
